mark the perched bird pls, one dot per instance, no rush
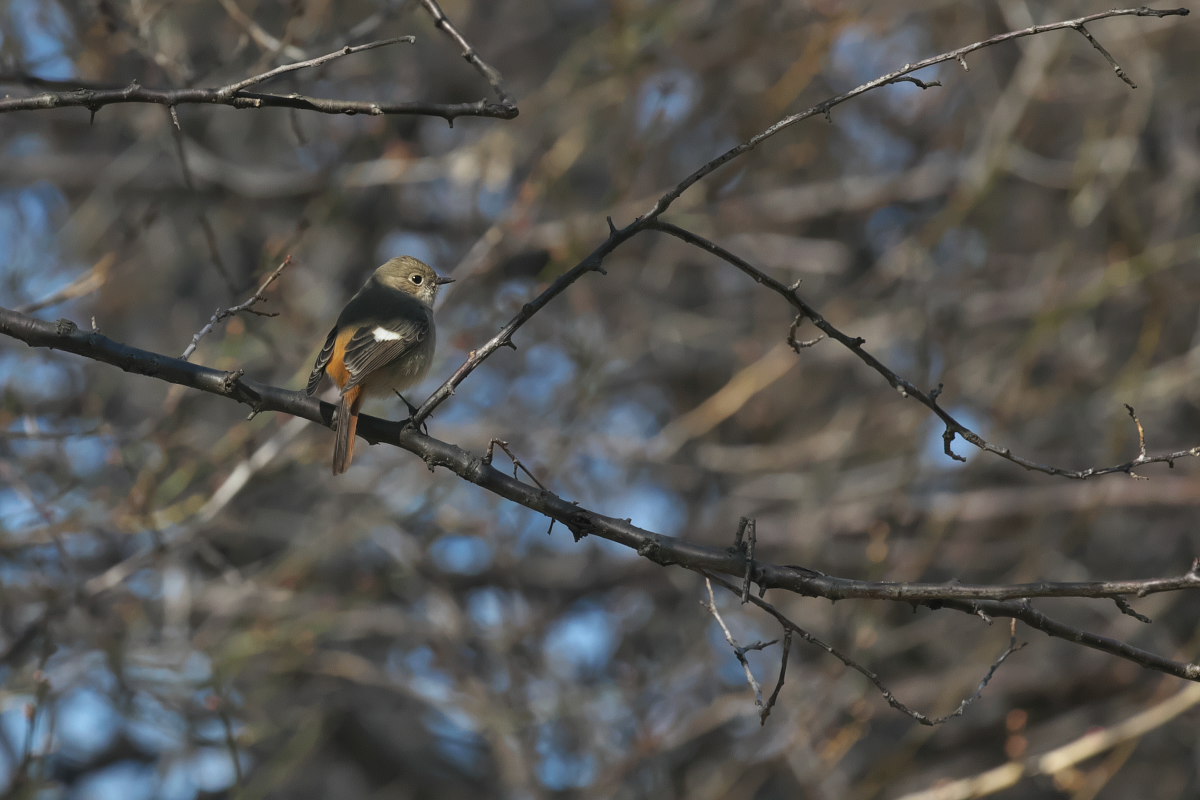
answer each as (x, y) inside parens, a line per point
(382, 342)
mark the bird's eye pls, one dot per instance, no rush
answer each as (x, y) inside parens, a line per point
(416, 279)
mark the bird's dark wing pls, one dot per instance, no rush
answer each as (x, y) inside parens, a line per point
(373, 346)
(318, 370)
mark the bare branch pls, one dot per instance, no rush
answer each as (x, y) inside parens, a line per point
(225, 313)
(489, 73)
(236, 96)
(824, 107)
(661, 549)
(1008, 651)
(1090, 745)
(904, 387)
(783, 662)
(738, 650)
(791, 627)
(618, 236)
(254, 80)
(1107, 56)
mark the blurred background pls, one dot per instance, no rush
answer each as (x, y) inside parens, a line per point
(191, 607)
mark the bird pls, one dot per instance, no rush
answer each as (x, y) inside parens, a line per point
(382, 342)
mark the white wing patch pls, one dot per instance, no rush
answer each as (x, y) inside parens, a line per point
(384, 335)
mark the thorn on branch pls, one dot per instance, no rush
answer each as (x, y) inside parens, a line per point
(935, 393)
(962, 62)
(1127, 609)
(612, 229)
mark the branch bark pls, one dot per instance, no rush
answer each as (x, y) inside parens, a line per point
(978, 600)
(236, 95)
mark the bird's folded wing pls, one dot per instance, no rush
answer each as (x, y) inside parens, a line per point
(314, 378)
(373, 346)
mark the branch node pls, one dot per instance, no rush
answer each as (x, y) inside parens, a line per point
(948, 439)
(797, 344)
(231, 380)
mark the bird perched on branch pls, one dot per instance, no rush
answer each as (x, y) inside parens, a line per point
(382, 342)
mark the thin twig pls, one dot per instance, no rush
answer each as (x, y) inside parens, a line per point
(892, 700)
(783, 662)
(738, 650)
(236, 96)
(788, 625)
(1107, 55)
(1129, 728)
(246, 305)
(210, 235)
(233, 88)
(987, 678)
(517, 465)
(489, 73)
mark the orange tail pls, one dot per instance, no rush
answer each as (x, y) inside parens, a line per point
(347, 424)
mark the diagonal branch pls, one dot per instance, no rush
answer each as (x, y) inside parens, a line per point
(958, 55)
(489, 73)
(254, 80)
(987, 601)
(618, 236)
(246, 305)
(907, 389)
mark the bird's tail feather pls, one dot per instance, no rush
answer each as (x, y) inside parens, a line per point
(347, 425)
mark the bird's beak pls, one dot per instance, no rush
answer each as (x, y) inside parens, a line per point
(442, 280)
